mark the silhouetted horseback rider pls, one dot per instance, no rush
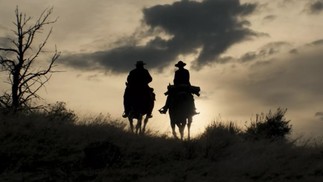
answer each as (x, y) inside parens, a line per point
(182, 75)
(181, 82)
(137, 84)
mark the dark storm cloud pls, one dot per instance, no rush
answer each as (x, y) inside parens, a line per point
(212, 26)
(314, 7)
(291, 79)
(265, 51)
(120, 59)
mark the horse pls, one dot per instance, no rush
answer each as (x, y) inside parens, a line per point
(142, 104)
(181, 111)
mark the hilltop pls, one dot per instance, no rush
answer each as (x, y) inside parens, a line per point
(53, 147)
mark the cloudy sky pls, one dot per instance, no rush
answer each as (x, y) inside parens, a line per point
(248, 56)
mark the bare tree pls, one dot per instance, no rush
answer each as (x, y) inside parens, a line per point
(27, 70)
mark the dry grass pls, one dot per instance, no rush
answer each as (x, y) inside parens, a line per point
(36, 148)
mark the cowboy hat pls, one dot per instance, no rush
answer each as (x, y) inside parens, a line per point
(140, 63)
(180, 64)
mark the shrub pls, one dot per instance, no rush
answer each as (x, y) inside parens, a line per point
(217, 137)
(58, 112)
(270, 126)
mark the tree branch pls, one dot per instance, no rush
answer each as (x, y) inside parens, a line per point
(26, 82)
(8, 50)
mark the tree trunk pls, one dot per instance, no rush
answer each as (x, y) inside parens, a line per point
(14, 90)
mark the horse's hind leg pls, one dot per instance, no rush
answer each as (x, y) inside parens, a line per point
(181, 130)
(190, 119)
(145, 123)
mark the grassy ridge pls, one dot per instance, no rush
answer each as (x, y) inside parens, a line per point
(36, 147)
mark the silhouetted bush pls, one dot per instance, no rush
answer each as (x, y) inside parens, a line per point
(217, 137)
(59, 113)
(219, 129)
(270, 126)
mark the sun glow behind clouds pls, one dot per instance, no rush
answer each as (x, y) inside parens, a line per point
(202, 120)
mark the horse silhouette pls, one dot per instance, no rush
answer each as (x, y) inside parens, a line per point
(142, 105)
(182, 110)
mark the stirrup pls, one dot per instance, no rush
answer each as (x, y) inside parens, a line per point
(162, 110)
(125, 115)
(195, 112)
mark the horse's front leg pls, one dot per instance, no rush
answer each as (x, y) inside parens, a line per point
(138, 126)
(131, 123)
(172, 124)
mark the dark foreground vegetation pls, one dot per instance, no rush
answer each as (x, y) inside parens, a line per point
(54, 145)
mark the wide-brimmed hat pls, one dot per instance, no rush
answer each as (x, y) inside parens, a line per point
(140, 63)
(180, 64)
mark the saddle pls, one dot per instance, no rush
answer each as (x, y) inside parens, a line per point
(183, 88)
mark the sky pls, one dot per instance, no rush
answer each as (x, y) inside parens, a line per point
(248, 56)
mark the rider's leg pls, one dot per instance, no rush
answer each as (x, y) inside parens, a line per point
(194, 112)
(164, 109)
(126, 103)
(194, 109)
(151, 105)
